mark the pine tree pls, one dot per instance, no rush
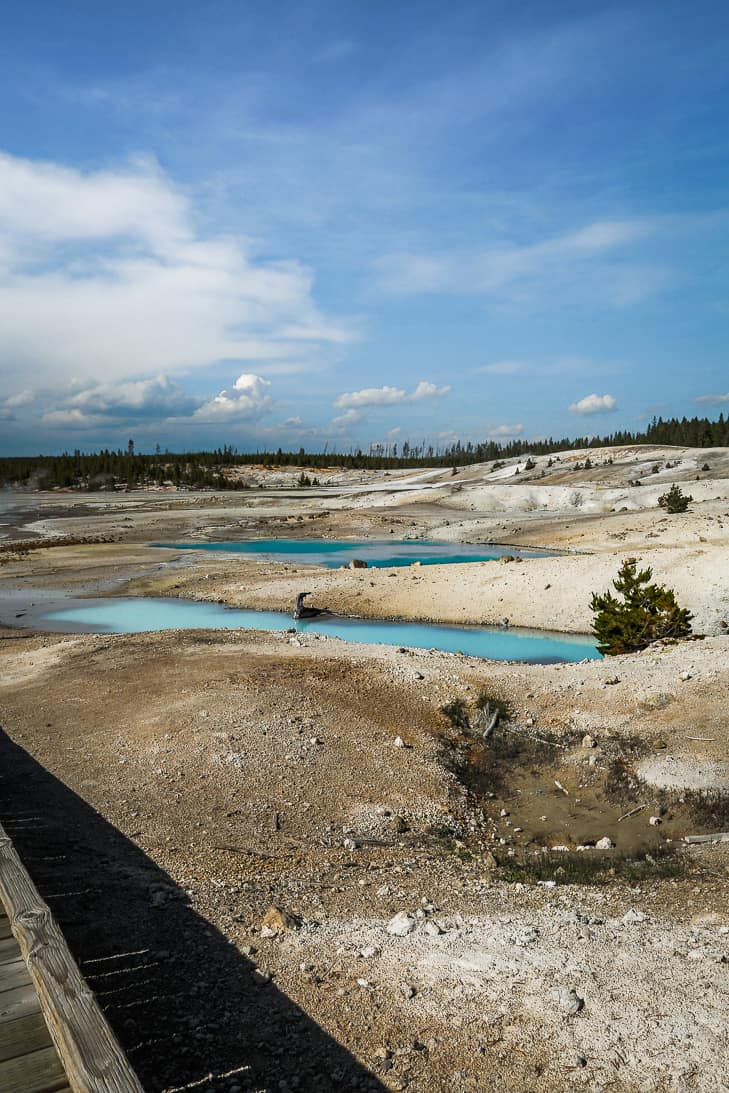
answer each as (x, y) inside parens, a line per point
(647, 613)
(675, 500)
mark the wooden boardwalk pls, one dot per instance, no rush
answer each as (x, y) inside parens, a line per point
(53, 1036)
(29, 1062)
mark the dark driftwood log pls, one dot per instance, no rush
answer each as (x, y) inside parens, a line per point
(301, 611)
(91, 1057)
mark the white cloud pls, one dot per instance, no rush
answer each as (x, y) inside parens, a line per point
(388, 396)
(344, 421)
(157, 397)
(594, 404)
(247, 400)
(713, 400)
(504, 432)
(22, 398)
(105, 274)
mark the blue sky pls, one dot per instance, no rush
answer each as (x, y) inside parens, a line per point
(349, 222)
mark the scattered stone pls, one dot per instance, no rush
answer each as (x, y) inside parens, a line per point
(490, 861)
(654, 821)
(568, 1000)
(407, 991)
(632, 916)
(261, 976)
(382, 1053)
(579, 1061)
(399, 742)
(685, 676)
(401, 924)
(350, 844)
(589, 741)
(504, 812)
(605, 844)
(368, 952)
(432, 928)
(277, 921)
(358, 563)
(612, 682)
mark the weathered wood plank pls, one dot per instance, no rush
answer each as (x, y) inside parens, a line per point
(15, 974)
(90, 1054)
(38, 1072)
(24, 1035)
(18, 1002)
(8, 950)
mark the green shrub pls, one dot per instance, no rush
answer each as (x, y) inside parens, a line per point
(675, 500)
(646, 613)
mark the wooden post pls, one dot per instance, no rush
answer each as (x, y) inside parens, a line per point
(89, 1052)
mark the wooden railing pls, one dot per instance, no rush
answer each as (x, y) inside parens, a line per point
(89, 1052)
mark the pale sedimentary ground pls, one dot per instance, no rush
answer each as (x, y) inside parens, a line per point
(252, 770)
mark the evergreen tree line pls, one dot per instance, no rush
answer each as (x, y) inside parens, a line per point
(127, 469)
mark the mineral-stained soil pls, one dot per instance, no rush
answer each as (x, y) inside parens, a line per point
(166, 790)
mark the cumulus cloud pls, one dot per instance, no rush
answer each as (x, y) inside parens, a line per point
(247, 400)
(594, 404)
(157, 397)
(106, 274)
(713, 400)
(388, 396)
(343, 421)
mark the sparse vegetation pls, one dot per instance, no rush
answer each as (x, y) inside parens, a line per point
(675, 500)
(646, 613)
(457, 713)
(591, 867)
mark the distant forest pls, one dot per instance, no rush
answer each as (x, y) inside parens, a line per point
(129, 469)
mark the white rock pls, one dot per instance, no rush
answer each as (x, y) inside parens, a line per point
(589, 741)
(632, 916)
(604, 844)
(654, 821)
(567, 999)
(399, 742)
(685, 676)
(350, 844)
(401, 924)
(432, 928)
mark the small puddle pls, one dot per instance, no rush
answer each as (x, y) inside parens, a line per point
(548, 800)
